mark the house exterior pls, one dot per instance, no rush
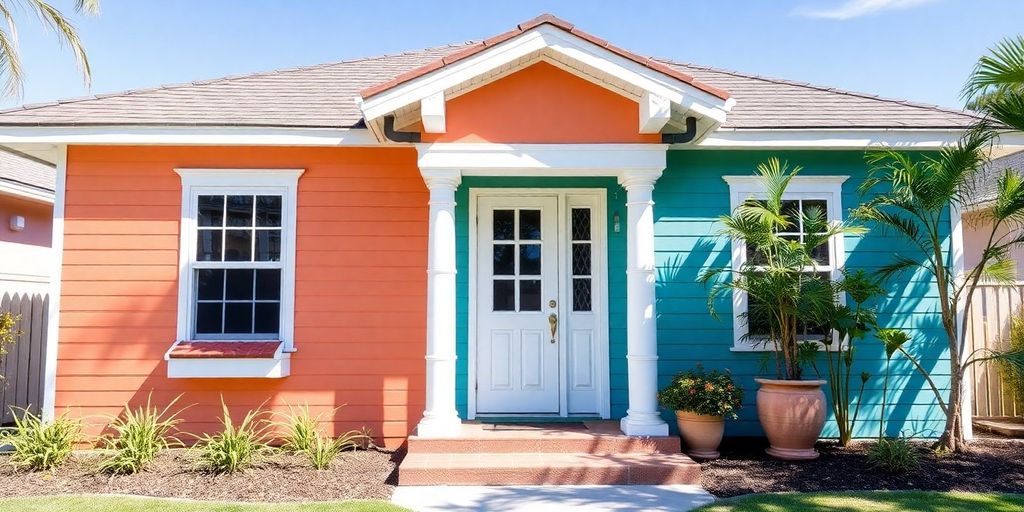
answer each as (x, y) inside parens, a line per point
(977, 227)
(504, 228)
(26, 211)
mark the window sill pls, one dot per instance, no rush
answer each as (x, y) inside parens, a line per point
(761, 347)
(227, 359)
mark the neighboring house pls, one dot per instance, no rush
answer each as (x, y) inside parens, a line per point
(510, 227)
(977, 227)
(26, 220)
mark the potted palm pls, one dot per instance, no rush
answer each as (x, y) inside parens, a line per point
(701, 401)
(784, 290)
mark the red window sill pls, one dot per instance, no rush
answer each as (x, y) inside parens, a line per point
(226, 350)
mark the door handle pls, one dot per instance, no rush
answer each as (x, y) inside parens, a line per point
(553, 322)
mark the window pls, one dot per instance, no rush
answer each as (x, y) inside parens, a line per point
(517, 260)
(804, 193)
(237, 255)
(582, 250)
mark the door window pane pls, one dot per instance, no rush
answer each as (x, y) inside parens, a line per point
(504, 259)
(529, 295)
(504, 295)
(580, 223)
(581, 294)
(529, 224)
(529, 260)
(504, 224)
(581, 259)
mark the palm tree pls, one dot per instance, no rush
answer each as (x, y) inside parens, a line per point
(912, 197)
(996, 86)
(10, 59)
(782, 288)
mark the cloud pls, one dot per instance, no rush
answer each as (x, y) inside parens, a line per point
(856, 8)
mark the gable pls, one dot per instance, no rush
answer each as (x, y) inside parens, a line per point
(542, 104)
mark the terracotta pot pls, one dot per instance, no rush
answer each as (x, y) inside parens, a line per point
(701, 434)
(792, 413)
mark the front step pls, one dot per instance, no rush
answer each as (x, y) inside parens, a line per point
(548, 469)
(592, 437)
(591, 453)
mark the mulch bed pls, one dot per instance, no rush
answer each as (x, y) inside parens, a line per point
(993, 465)
(364, 474)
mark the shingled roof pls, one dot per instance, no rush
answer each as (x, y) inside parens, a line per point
(323, 96)
(25, 171)
(986, 185)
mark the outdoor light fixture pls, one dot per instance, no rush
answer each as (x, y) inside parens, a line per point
(17, 223)
(615, 222)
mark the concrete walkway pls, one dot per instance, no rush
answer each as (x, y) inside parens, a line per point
(561, 498)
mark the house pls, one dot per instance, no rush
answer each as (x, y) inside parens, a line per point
(977, 227)
(504, 228)
(26, 211)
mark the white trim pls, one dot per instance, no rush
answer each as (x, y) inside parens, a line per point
(547, 38)
(600, 251)
(432, 113)
(542, 159)
(53, 315)
(238, 181)
(25, 192)
(956, 243)
(187, 135)
(839, 138)
(233, 368)
(655, 112)
(741, 188)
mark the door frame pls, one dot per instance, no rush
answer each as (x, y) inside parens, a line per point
(600, 281)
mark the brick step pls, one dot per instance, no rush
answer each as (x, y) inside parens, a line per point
(552, 444)
(592, 437)
(547, 469)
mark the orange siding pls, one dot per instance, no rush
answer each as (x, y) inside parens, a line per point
(542, 104)
(360, 285)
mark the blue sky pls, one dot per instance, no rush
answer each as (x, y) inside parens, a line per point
(911, 49)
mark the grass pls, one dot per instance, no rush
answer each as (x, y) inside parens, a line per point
(876, 501)
(97, 503)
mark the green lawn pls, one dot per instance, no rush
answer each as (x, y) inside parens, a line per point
(880, 501)
(128, 504)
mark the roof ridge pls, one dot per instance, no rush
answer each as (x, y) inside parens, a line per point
(807, 85)
(227, 78)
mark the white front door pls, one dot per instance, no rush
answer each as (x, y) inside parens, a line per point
(539, 339)
(518, 350)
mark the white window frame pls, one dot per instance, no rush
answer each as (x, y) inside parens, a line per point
(196, 182)
(741, 188)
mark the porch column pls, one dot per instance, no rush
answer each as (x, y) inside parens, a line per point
(440, 419)
(642, 418)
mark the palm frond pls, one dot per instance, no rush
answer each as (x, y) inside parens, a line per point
(1002, 69)
(1001, 269)
(1007, 108)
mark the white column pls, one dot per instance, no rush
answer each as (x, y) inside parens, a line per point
(642, 418)
(440, 419)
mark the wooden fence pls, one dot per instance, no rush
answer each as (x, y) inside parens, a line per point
(988, 326)
(23, 368)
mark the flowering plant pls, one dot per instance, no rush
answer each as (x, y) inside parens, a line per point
(709, 393)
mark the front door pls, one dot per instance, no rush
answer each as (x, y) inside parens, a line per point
(517, 309)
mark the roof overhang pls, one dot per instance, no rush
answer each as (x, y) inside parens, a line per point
(665, 97)
(26, 192)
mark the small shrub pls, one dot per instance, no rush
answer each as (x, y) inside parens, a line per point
(8, 334)
(894, 454)
(711, 393)
(323, 449)
(141, 434)
(39, 445)
(236, 447)
(301, 429)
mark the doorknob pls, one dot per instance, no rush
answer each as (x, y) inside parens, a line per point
(553, 322)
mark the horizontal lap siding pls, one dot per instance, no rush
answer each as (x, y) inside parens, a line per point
(360, 286)
(689, 198)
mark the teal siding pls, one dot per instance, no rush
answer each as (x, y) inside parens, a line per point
(616, 278)
(689, 198)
